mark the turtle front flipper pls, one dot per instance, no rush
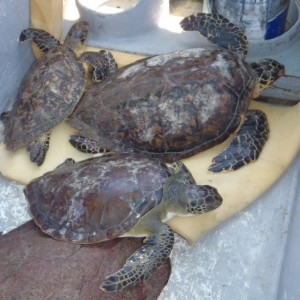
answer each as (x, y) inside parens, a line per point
(38, 149)
(41, 38)
(103, 62)
(218, 30)
(86, 145)
(247, 144)
(143, 262)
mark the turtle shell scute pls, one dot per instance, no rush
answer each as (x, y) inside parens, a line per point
(96, 199)
(47, 95)
(169, 106)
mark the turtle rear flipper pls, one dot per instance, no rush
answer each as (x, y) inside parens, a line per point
(246, 146)
(218, 30)
(38, 149)
(41, 38)
(86, 145)
(143, 262)
(4, 117)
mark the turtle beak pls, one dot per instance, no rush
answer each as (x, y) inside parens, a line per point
(281, 72)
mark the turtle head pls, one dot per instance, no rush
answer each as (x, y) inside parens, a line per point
(185, 199)
(267, 70)
(77, 35)
(199, 199)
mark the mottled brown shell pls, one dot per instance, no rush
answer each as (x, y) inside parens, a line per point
(170, 106)
(96, 199)
(48, 94)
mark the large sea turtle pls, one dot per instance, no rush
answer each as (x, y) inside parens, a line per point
(119, 195)
(174, 105)
(51, 88)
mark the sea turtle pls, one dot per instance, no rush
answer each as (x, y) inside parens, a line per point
(119, 195)
(51, 88)
(174, 105)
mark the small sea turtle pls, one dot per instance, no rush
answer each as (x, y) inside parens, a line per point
(119, 195)
(174, 105)
(51, 88)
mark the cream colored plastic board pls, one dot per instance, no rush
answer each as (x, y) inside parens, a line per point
(238, 188)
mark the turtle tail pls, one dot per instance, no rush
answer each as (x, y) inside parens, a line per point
(143, 262)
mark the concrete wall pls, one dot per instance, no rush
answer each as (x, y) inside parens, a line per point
(15, 58)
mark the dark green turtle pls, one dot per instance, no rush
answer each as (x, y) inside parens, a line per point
(117, 196)
(174, 105)
(51, 88)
